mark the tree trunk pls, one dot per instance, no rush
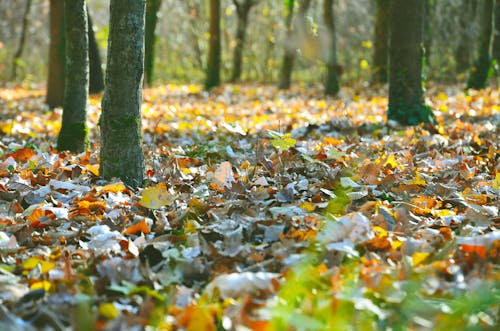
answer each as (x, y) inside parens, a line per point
(214, 47)
(406, 101)
(381, 42)
(430, 8)
(22, 38)
(496, 37)
(285, 78)
(96, 84)
(332, 80)
(120, 122)
(479, 72)
(55, 82)
(152, 8)
(464, 51)
(73, 134)
(242, 9)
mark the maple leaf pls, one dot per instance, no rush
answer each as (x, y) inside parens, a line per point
(156, 196)
(282, 142)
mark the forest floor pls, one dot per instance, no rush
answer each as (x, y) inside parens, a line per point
(262, 210)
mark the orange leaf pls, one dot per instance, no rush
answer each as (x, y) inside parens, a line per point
(93, 168)
(140, 226)
(471, 249)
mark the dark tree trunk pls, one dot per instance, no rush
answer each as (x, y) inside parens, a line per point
(214, 47)
(464, 51)
(96, 83)
(152, 8)
(381, 41)
(496, 37)
(285, 78)
(73, 134)
(55, 82)
(479, 71)
(22, 39)
(242, 9)
(332, 80)
(120, 122)
(406, 101)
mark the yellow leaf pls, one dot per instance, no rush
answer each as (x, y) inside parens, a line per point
(496, 182)
(381, 232)
(93, 169)
(395, 244)
(32, 262)
(284, 143)
(418, 180)
(441, 96)
(307, 206)
(156, 196)
(108, 310)
(44, 284)
(419, 257)
(443, 212)
(391, 160)
(363, 64)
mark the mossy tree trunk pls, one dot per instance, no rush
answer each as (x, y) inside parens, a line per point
(332, 81)
(152, 9)
(242, 10)
(73, 134)
(120, 122)
(55, 81)
(406, 100)
(464, 51)
(214, 47)
(479, 72)
(381, 42)
(285, 76)
(96, 83)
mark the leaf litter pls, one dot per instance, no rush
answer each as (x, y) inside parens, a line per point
(262, 210)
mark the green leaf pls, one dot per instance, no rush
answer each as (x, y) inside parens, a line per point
(337, 205)
(282, 142)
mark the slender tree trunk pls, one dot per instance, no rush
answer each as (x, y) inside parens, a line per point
(214, 47)
(73, 134)
(479, 72)
(285, 78)
(96, 84)
(496, 37)
(463, 53)
(406, 100)
(381, 41)
(242, 9)
(22, 38)
(152, 8)
(55, 82)
(332, 81)
(193, 10)
(120, 122)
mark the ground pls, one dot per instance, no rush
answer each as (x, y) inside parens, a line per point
(262, 209)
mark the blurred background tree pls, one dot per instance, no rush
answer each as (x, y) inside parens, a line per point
(181, 42)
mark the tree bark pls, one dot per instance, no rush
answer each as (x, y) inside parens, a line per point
(22, 39)
(242, 10)
(479, 72)
(152, 8)
(55, 82)
(96, 84)
(214, 47)
(463, 53)
(120, 122)
(332, 80)
(73, 134)
(406, 100)
(381, 42)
